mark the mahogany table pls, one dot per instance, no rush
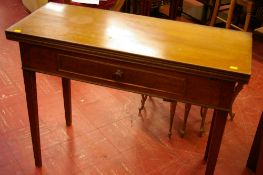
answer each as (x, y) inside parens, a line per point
(168, 59)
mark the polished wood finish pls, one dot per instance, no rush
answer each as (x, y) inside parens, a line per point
(162, 58)
(144, 42)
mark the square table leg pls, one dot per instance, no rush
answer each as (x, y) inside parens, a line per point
(31, 98)
(67, 100)
(214, 140)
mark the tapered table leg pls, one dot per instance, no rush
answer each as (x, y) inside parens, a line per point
(214, 140)
(31, 98)
(209, 138)
(67, 100)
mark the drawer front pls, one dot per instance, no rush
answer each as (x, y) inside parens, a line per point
(38, 58)
(121, 74)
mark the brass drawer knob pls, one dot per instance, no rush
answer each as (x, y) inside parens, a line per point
(118, 75)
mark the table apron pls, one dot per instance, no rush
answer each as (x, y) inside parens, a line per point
(127, 75)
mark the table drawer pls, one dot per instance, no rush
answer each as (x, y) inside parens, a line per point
(121, 74)
(134, 76)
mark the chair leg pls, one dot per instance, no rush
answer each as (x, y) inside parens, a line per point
(231, 114)
(172, 113)
(143, 100)
(214, 14)
(248, 16)
(230, 13)
(186, 114)
(238, 88)
(203, 113)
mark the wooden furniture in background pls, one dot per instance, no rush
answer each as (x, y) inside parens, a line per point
(203, 112)
(172, 10)
(173, 104)
(118, 5)
(110, 49)
(218, 6)
(255, 159)
(197, 10)
(247, 4)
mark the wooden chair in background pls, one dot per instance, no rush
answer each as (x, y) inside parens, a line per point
(203, 112)
(173, 104)
(247, 4)
(196, 10)
(118, 5)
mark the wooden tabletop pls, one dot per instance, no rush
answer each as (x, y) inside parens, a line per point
(190, 44)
